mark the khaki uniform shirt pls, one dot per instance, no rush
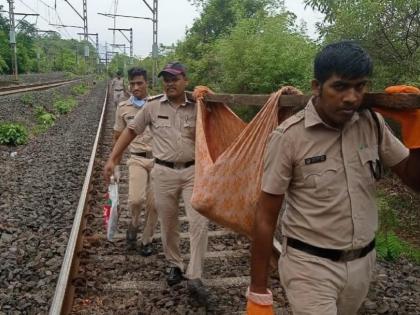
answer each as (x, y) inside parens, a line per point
(124, 114)
(118, 84)
(327, 178)
(173, 129)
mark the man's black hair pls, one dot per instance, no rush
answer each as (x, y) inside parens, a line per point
(136, 71)
(345, 59)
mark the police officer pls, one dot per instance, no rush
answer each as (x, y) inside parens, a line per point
(140, 163)
(118, 88)
(172, 120)
(326, 159)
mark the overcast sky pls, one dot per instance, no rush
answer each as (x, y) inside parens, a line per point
(175, 16)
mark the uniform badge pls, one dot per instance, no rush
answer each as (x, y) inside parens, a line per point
(315, 159)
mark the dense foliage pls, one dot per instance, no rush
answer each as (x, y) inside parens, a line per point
(249, 46)
(13, 133)
(388, 29)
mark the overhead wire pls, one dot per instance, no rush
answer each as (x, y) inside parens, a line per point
(43, 18)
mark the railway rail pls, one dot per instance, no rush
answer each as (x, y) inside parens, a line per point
(13, 89)
(99, 276)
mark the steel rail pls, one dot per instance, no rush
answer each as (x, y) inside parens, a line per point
(64, 292)
(33, 87)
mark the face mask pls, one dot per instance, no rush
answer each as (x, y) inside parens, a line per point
(137, 102)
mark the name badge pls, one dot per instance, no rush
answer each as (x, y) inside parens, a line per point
(315, 159)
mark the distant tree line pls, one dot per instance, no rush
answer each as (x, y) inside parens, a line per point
(252, 46)
(43, 52)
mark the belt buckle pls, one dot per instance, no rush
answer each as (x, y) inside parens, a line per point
(349, 255)
(179, 165)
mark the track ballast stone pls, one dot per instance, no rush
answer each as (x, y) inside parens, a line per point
(40, 190)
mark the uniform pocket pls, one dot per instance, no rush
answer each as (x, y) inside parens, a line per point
(369, 158)
(188, 126)
(321, 177)
(161, 123)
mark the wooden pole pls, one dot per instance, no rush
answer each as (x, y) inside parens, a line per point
(391, 101)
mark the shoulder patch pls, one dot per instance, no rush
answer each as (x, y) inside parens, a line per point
(154, 97)
(292, 120)
(124, 103)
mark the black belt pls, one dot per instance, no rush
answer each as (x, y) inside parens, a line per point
(175, 165)
(148, 155)
(333, 254)
(118, 90)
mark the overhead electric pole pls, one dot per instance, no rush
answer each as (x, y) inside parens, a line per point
(130, 40)
(96, 45)
(12, 39)
(155, 51)
(154, 19)
(12, 35)
(84, 18)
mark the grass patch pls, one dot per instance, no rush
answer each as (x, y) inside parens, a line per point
(63, 106)
(389, 246)
(28, 99)
(44, 119)
(13, 134)
(79, 89)
(69, 76)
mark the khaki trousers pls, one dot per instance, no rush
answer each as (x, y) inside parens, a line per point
(316, 285)
(118, 97)
(168, 186)
(139, 197)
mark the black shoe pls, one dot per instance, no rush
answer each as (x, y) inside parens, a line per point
(131, 237)
(175, 276)
(146, 249)
(198, 291)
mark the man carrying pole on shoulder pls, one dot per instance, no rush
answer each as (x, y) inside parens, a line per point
(325, 160)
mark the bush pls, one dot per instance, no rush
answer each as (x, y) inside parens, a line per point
(28, 99)
(64, 106)
(69, 75)
(44, 118)
(79, 89)
(13, 134)
(388, 245)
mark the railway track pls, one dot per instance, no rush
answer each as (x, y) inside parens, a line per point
(102, 277)
(13, 89)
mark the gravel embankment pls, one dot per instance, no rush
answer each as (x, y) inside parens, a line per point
(27, 78)
(40, 189)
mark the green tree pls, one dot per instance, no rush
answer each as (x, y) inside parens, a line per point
(250, 46)
(388, 29)
(26, 55)
(260, 55)
(4, 44)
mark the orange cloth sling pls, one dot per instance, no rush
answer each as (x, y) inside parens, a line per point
(229, 160)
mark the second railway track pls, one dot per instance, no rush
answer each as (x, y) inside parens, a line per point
(102, 277)
(20, 88)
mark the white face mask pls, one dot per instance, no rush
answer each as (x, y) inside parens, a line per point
(137, 102)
